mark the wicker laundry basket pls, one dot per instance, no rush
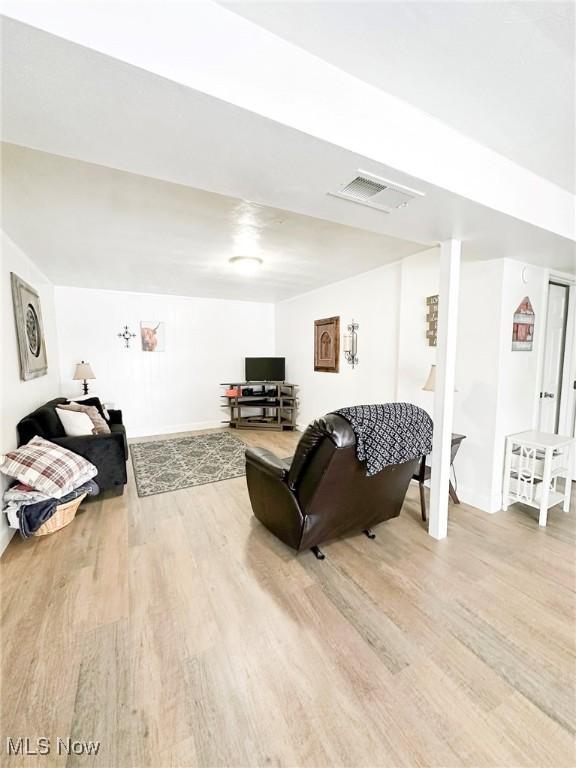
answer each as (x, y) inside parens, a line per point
(63, 515)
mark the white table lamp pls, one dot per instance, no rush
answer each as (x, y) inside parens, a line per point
(83, 372)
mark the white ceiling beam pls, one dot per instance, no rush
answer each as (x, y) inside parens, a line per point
(209, 48)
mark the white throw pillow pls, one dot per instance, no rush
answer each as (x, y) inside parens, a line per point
(75, 423)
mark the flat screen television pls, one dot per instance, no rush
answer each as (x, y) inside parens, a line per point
(265, 368)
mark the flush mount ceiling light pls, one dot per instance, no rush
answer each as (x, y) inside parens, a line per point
(246, 265)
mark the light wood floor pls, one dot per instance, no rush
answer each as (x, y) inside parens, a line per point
(179, 632)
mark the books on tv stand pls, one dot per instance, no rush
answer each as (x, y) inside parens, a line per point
(261, 405)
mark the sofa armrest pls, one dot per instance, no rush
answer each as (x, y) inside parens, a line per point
(267, 462)
(115, 416)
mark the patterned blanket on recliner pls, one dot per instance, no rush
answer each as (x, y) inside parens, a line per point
(390, 433)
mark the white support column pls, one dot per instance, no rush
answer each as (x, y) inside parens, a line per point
(444, 395)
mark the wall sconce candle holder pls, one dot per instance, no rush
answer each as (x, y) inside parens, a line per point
(351, 344)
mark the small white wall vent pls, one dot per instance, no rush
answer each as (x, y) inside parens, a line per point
(375, 192)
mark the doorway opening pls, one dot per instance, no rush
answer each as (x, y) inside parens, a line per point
(557, 407)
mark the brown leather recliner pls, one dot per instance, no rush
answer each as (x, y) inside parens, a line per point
(324, 492)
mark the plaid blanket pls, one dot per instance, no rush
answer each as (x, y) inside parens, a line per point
(391, 433)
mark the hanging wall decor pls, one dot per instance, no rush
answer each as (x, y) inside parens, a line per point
(127, 335)
(351, 344)
(432, 320)
(327, 345)
(152, 336)
(29, 329)
(523, 327)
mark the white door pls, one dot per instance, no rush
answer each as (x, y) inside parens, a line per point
(567, 420)
(553, 370)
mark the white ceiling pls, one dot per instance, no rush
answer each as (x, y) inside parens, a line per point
(70, 101)
(503, 73)
(95, 226)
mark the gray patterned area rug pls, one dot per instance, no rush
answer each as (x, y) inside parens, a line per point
(181, 462)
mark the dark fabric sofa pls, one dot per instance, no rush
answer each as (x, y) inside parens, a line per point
(108, 453)
(323, 492)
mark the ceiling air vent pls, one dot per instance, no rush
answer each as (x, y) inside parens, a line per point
(375, 192)
(362, 189)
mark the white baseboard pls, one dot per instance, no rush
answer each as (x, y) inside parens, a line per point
(473, 498)
(484, 501)
(172, 429)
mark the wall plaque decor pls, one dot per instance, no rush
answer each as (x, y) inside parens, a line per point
(152, 335)
(432, 320)
(127, 335)
(523, 327)
(29, 329)
(327, 345)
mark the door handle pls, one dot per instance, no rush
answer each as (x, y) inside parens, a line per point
(547, 394)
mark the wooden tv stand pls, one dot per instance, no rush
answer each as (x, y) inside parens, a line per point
(271, 405)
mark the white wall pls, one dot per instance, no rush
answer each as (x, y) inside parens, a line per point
(477, 361)
(390, 305)
(477, 380)
(419, 278)
(17, 397)
(160, 392)
(372, 299)
(518, 372)
(496, 388)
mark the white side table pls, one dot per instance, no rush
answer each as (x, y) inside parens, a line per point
(534, 462)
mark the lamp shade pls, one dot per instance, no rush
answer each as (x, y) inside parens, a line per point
(430, 385)
(83, 371)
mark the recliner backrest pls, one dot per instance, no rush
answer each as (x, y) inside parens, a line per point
(334, 492)
(332, 428)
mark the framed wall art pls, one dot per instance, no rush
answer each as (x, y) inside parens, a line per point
(523, 327)
(29, 329)
(327, 345)
(432, 320)
(152, 335)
